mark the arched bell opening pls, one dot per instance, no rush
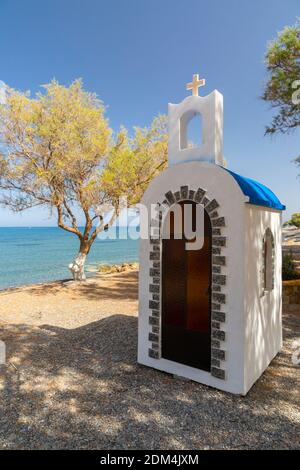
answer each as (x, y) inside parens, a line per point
(191, 133)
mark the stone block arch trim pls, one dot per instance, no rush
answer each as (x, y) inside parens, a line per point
(219, 279)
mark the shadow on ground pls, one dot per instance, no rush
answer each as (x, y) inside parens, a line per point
(82, 388)
(122, 286)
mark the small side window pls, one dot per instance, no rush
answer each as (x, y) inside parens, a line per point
(268, 261)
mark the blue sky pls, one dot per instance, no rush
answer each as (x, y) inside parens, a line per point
(137, 56)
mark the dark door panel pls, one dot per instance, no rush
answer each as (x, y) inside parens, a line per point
(186, 278)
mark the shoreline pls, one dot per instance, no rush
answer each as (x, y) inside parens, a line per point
(34, 284)
(129, 266)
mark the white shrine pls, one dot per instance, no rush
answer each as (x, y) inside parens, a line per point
(211, 314)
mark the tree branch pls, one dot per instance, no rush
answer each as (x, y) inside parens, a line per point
(102, 227)
(71, 215)
(62, 225)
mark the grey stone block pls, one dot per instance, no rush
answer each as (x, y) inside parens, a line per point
(215, 362)
(218, 241)
(218, 373)
(219, 279)
(153, 354)
(153, 337)
(154, 272)
(205, 201)
(215, 343)
(154, 255)
(218, 354)
(218, 334)
(170, 197)
(220, 222)
(216, 288)
(191, 194)
(219, 260)
(218, 297)
(212, 205)
(216, 269)
(177, 196)
(153, 304)
(215, 306)
(218, 316)
(199, 195)
(153, 320)
(184, 190)
(154, 288)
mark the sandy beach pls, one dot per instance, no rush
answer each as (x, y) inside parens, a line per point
(68, 304)
(72, 381)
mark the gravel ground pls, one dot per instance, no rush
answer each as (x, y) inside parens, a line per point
(72, 381)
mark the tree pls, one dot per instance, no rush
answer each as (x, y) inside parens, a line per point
(288, 267)
(295, 220)
(57, 151)
(283, 87)
(147, 152)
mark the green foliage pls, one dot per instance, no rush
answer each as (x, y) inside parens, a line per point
(288, 267)
(53, 147)
(283, 65)
(57, 150)
(295, 220)
(134, 162)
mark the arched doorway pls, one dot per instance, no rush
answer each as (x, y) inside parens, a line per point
(186, 296)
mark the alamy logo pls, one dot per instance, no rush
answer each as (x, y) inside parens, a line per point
(296, 353)
(296, 93)
(185, 221)
(2, 352)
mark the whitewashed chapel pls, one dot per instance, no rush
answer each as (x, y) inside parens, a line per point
(213, 314)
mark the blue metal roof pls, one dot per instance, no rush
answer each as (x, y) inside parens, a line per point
(258, 193)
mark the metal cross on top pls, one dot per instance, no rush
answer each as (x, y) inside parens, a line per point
(195, 84)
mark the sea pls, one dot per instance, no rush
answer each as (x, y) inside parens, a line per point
(30, 255)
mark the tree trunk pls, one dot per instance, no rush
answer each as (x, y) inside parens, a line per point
(77, 267)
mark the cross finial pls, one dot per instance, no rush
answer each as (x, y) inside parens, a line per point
(195, 84)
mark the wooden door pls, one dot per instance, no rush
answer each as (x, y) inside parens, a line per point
(186, 297)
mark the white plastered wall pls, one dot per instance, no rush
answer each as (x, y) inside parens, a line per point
(263, 325)
(220, 185)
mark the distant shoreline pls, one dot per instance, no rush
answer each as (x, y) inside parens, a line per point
(128, 266)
